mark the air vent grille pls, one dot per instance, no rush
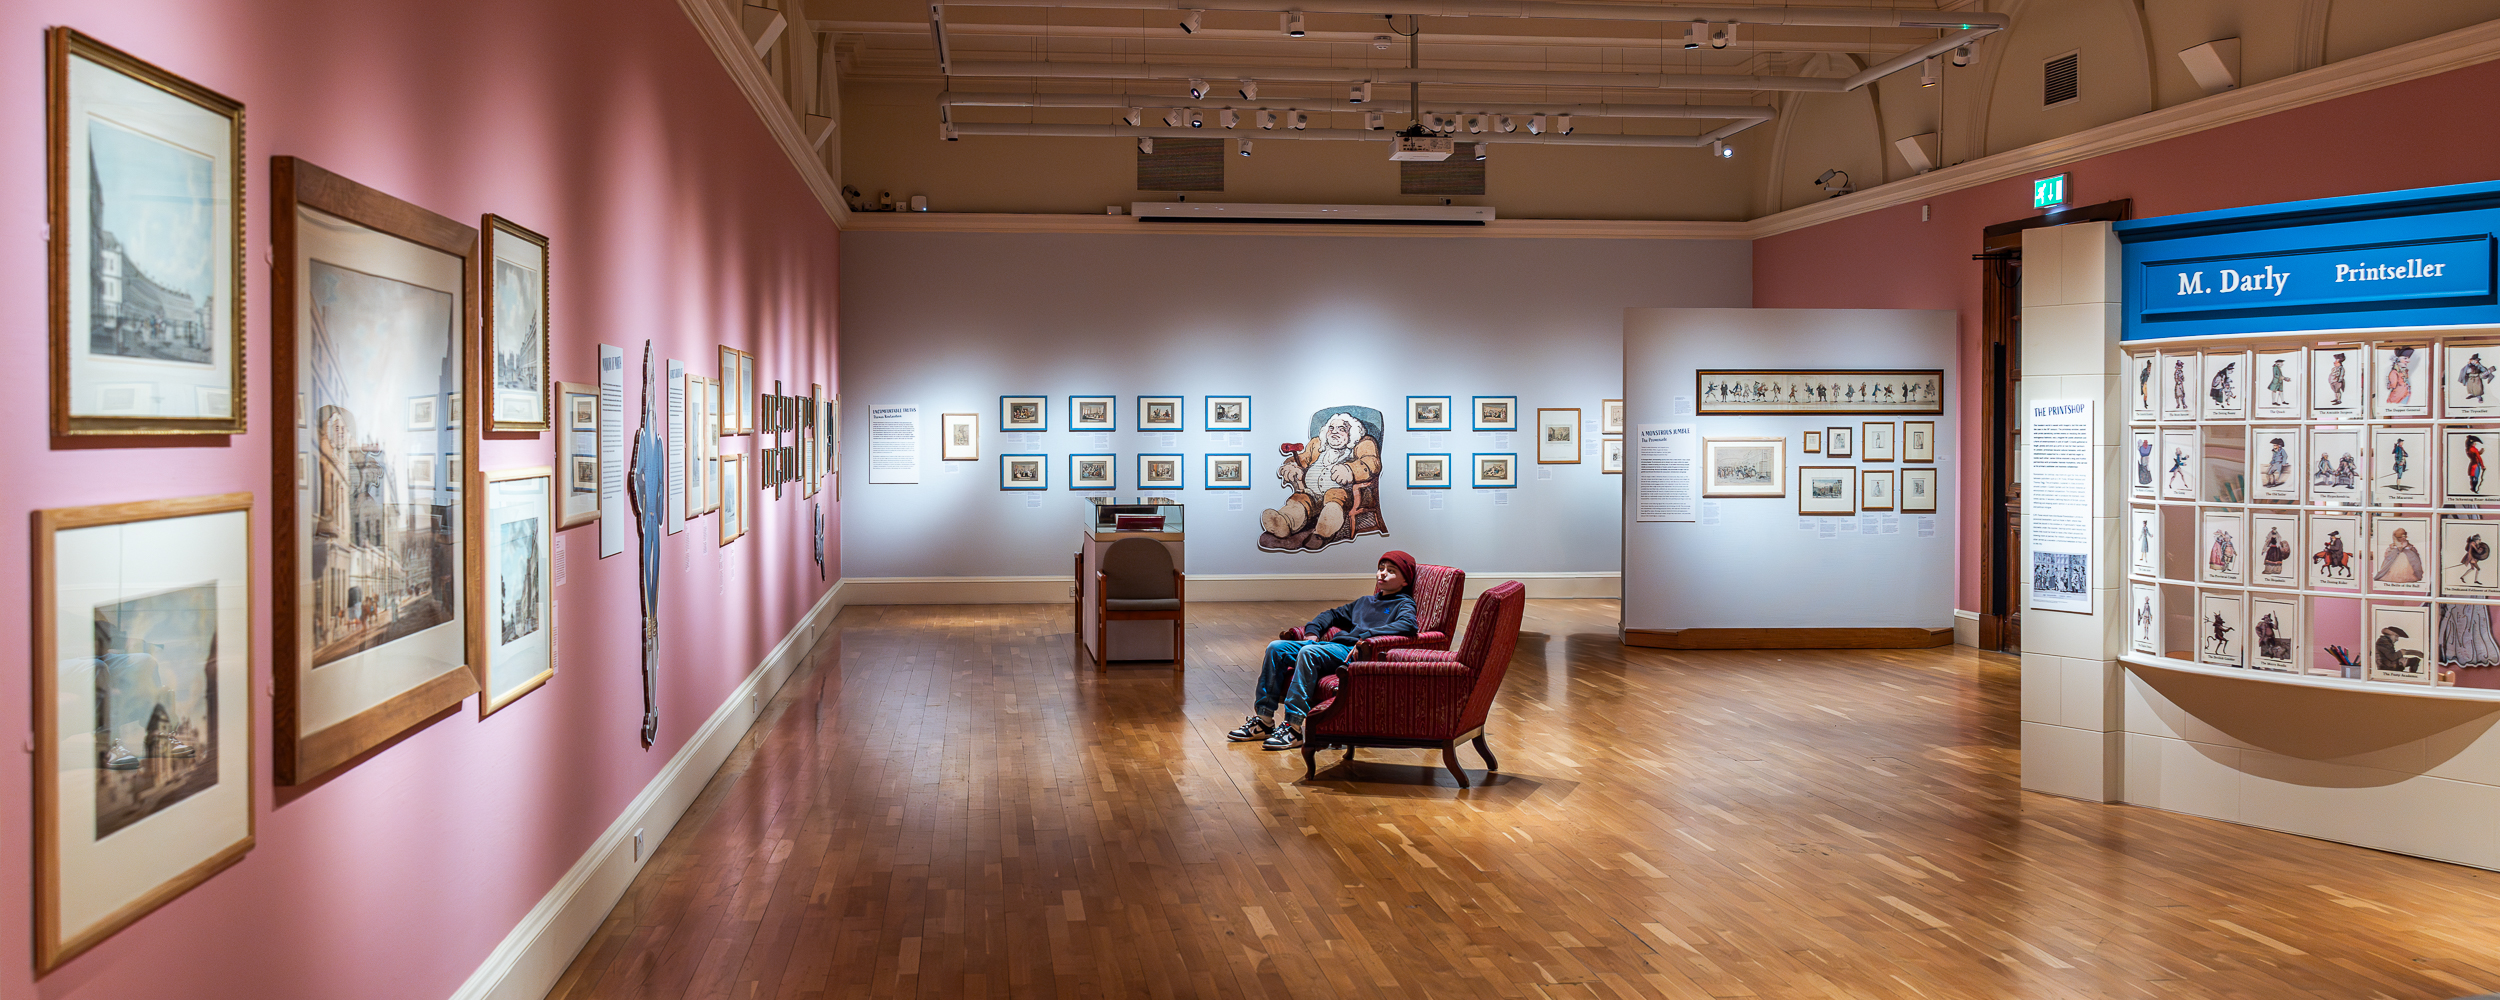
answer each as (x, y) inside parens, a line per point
(1182, 165)
(2057, 81)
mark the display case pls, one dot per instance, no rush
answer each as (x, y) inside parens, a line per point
(1157, 516)
(1108, 521)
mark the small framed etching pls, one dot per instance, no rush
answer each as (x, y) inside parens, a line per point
(1427, 413)
(1019, 414)
(2465, 567)
(577, 453)
(959, 437)
(1918, 440)
(1026, 472)
(1610, 416)
(1228, 471)
(1496, 470)
(512, 306)
(1875, 490)
(1918, 491)
(1160, 414)
(1085, 472)
(1610, 456)
(1744, 467)
(1814, 443)
(1228, 413)
(1496, 413)
(1159, 472)
(733, 498)
(1093, 413)
(1427, 471)
(1876, 443)
(1826, 489)
(1558, 436)
(1838, 442)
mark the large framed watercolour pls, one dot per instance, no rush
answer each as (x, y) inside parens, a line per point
(1032, 472)
(1085, 472)
(2465, 567)
(1496, 470)
(712, 434)
(1918, 440)
(1918, 491)
(1744, 467)
(1610, 456)
(577, 453)
(1093, 413)
(1876, 442)
(1558, 436)
(1160, 414)
(2400, 643)
(1915, 391)
(1228, 471)
(146, 249)
(369, 313)
(1228, 413)
(1159, 472)
(695, 444)
(1875, 489)
(1427, 413)
(1427, 471)
(2221, 627)
(1017, 414)
(746, 397)
(515, 609)
(812, 457)
(512, 305)
(1495, 413)
(959, 437)
(1610, 416)
(733, 498)
(1826, 489)
(143, 710)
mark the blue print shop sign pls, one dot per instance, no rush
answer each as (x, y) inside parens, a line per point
(2421, 258)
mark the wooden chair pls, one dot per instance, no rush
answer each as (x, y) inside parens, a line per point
(1421, 698)
(1137, 582)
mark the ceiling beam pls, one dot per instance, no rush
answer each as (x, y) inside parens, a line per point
(960, 29)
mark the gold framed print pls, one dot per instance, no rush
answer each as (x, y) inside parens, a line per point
(1744, 467)
(512, 306)
(514, 610)
(577, 453)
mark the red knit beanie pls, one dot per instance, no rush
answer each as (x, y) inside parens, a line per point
(1404, 564)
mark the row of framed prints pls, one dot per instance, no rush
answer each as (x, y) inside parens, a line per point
(2410, 554)
(1233, 471)
(1756, 467)
(2323, 465)
(1876, 441)
(2392, 381)
(2407, 642)
(1089, 414)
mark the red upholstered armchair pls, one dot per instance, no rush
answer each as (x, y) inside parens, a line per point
(1420, 698)
(1436, 590)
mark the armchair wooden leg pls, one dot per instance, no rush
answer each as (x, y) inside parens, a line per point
(1310, 761)
(1486, 752)
(1449, 759)
(1177, 636)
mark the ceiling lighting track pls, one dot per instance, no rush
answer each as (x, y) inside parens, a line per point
(1828, 17)
(1754, 112)
(1343, 135)
(961, 30)
(1412, 215)
(1403, 76)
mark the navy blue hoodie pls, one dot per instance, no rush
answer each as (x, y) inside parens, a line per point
(1366, 617)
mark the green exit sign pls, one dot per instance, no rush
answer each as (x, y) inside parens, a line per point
(2048, 192)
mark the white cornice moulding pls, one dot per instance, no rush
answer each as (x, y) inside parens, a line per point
(730, 45)
(971, 222)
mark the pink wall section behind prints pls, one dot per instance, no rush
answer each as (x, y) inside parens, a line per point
(2443, 129)
(609, 126)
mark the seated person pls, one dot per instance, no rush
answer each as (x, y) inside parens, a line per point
(1294, 666)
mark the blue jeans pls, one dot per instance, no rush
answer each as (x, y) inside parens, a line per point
(1292, 673)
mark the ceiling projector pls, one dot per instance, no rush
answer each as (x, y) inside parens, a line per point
(1415, 142)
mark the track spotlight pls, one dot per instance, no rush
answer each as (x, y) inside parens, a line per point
(1562, 124)
(1135, 117)
(1297, 119)
(1721, 149)
(1473, 123)
(1197, 89)
(1146, 145)
(1375, 121)
(1189, 21)
(1197, 118)
(1249, 89)
(1928, 73)
(1961, 56)
(946, 131)
(1245, 147)
(1228, 117)
(1835, 182)
(1293, 24)
(1726, 33)
(1267, 119)
(1358, 94)
(1505, 123)
(1536, 124)
(1695, 33)
(1171, 118)
(1480, 149)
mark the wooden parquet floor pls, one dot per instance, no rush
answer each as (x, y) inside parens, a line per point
(941, 805)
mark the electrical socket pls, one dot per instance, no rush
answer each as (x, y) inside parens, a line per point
(637, 843)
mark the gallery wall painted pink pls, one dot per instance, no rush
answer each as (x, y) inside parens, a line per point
(609, 126)
(2436, 130)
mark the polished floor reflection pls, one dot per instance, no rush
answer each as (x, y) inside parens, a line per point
(941, 805)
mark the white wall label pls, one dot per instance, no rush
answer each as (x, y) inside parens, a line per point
(614, 518)
(2057, 503)
(894, 445)
(676, 451)
(1665, 482)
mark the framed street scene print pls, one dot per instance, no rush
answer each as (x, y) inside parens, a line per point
(2278, 385)
(1918, 440)
(143, 710)
(2177, 459)
(733, 387)
(516, 600)
(1496, 470)
(146, 251)
(1228, 472)
(513, 306)
(2464, 466)
(368, 312)
(2178, 389)
(2221, 546)
(2144, 541)
(2274, 553)
(745, 403)
(2339, 381)
(1017, 414)
(2396, 561)
(734, 498)
(577, 452)
(2274, 450)
(2400, 467)
(2221, 634)
(1915, 391)
(2334, 467)
(1876, 443)
(2140, 382)
(1427, 413)
(1918, 491)
(959, 437)
(2274, 632)
(1496, 413)
(1610, 456)
(2400, 643)
(1610, 416)
(1427, 471)
(1093, 413)
(1875, 490)
(1159, 413)
(2466, 384)
(2144, 618)
(2225, 386)
(2397, 391)
(1814, 442)
(1744, 467)
(1228, 413)
(1085, 472)
(1558, 436)
(1030, 472)
(2334, 552)
(1826, 489)
(2465, 567)
(1159, 472)
(1839, 442)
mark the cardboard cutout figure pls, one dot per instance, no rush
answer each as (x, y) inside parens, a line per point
(646, 483)
(1331, 484)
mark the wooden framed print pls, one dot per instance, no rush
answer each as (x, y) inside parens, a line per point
(2222, 545)
(1875, 490)
(1744, 467)
(2225, 386)
(2396, 563)
(2274, 632)
(712, 433)
(1918, 440)
(1839, 442)
(1427, 413)
(2400, 643)
(143, 710)
(1610, 456)
(1914, 391)
(2178, 390)
(2468, 381)
(2274, 550)
(1427, 470)
(2221, 627)
(1495, 413)
(1228, 471)
(2144, 618)
(733, 498)
(2335, 467)
(1495, 470)
(1085, 472)
(2400, 467)
(1609, 416)
(1558, 436)
(515, 603)
(1160, 414)
(1827, 489)
(2140, 370)
(577, 453)
(727, 387)
(1087, 414)
(1159, 472)
(1031, 472)
(2278, 384)
(370, 311)
(1228, 413)
(2333, 555)
(1876, 442)
(1918, 491)
(146, 249)
(811, 457)
(1019, 414)
(1814, 443)
(746, 400)
(512, 306)
(959, 437)
(2339, 381)
(2397, 391)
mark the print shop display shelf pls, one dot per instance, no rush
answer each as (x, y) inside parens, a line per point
(1108, 521)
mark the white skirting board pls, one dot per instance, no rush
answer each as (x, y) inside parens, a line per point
(1965, 627)
(531, 958)
(1202, 587)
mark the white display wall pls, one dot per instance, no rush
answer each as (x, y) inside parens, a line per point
(952, 322)
(1755, 562)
